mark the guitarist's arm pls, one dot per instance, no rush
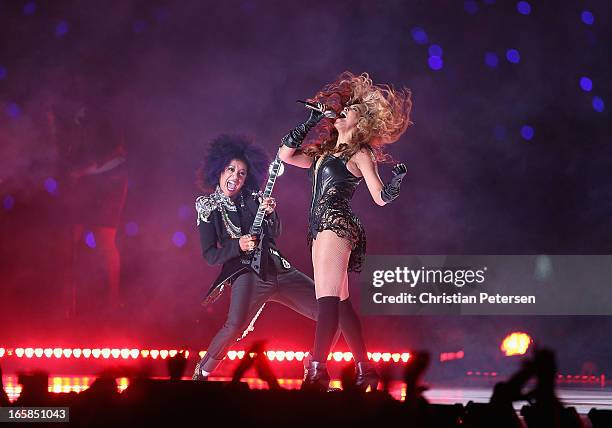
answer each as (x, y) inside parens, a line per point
(213, 253)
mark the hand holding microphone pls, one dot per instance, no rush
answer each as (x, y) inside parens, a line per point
(319, 107)
(318, 111)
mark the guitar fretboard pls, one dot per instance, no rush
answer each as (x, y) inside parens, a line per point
(259, 217)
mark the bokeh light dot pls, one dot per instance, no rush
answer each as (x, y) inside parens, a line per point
(61, 28)
(29, 8)
(2, 72)
(523, 7)
(179, 239)
(435, 50)
(419, 35)
(8, 202)
(13, 110)
(138, 26)
(51, 185)
(470, 6)
(587, 17)
(491, 59)
(131, 228)
(598, 104)
(435, 63)
(586, 84)
(513, 56)
(90, 239)
(527, 132)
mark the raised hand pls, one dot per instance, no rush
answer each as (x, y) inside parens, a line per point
(391, 190)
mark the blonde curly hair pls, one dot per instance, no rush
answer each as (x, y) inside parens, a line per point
(384, 116)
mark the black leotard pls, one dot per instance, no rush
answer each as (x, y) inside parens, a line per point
(333, 186)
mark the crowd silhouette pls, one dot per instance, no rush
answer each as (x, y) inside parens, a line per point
(172, 401)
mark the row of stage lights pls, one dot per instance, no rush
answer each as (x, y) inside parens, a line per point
(125, 353)
(579, 378)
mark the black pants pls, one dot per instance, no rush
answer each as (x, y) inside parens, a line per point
(249, 293)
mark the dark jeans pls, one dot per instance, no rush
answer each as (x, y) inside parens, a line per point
(249, 293)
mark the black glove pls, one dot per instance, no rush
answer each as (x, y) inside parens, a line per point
(391, 190)
(295, 138)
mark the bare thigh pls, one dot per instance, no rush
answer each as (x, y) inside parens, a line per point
(330, 258)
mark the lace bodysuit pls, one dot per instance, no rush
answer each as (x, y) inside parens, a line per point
(333, 186)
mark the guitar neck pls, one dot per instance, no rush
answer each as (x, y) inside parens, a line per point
(261, 212)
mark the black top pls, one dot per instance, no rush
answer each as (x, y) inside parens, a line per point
(332, 180)
(219, 248)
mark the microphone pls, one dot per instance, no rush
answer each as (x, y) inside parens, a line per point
(320, 107)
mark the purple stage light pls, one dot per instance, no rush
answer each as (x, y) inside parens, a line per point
(435, 63)
(435, 50)
(523, 7)
(586, 84)
(8, 202)
(138, 26)
(513, 56)
(61, 28)
(51, 185)
(2, 72)
(131, 229)
(470, 6)
(419, 35)
(587, 17)
(90, 239)
(598, 104)
(527, 132)
(29, 8)
(491, 59)
(179, 239)
(13, 110)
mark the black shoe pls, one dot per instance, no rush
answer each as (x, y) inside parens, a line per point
(316, 377)
(366, 376)
(197, 374)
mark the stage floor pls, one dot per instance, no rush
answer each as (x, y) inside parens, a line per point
(582, 398)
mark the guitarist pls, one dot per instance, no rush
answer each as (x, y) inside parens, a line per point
(234, 167)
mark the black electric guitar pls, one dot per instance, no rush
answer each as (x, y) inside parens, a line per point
(251, 259)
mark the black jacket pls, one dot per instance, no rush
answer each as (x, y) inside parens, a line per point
(218, 248)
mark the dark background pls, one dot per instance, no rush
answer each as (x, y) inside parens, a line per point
(179, 73)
